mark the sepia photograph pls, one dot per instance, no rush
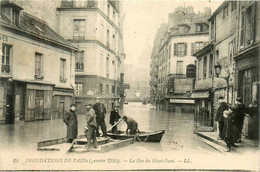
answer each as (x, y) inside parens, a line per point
(129, 85)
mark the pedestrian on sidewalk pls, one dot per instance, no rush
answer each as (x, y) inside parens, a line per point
(100, 111)
(91, 126)
(228, 129)
(114, 117)
(239, 111)
(220, 118)
(253, 125)
(70, 119)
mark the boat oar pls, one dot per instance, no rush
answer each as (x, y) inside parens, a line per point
(115, 124)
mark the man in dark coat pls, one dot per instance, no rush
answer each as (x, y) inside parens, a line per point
(70, 119)
(132, 125)
(239, 111)
(220, 118)
(253, 124)
(100, 111)
(91, 123)
(114, 117)
(228, 131)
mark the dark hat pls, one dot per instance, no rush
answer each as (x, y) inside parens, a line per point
(239, 99)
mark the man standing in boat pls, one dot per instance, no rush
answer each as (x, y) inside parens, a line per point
(114, 117)
(100, 111)
(132, 125)
(91, 124)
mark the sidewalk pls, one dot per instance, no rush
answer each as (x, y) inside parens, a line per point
(247, 145)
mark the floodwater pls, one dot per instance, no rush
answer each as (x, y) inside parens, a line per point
(179, 148)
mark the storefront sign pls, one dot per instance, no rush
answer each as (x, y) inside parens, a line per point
(184, 101)
(204, 94)
(183, 85)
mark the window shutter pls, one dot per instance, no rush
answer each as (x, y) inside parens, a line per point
(185, 49)
(175, 49)
(192, 49)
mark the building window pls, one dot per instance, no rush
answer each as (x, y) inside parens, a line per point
(199, 28)
(180, 49)
(114, 14)
(107, 67)
(170, 51)
(191, 71)
(79, 88)
(101, 60)
(233, 5)
(6, 58)
(108, 38)
(108, 10)
(205, 67)
(107, 89)
(101, 88)
(38, 66)
(113, 89)
(225, 12)
(15, 17)
(217, 56)
(179, 67)
(199, 68)
(79, 28)
(247, 27)
(230, 51)
(198, 46)
(63, 70)
(79, 62)
(211, 65)
(212, 28)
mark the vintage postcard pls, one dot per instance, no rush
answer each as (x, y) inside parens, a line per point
(129, 85)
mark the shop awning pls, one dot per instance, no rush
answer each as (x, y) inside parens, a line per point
(184, 101)
(200, 95)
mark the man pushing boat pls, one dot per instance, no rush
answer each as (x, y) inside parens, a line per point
(132, 125)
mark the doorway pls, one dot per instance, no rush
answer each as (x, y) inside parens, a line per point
(9, 118)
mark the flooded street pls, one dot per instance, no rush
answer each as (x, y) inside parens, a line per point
(178, 149)
(178, 128)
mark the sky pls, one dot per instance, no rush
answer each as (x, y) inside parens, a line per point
(144, 17)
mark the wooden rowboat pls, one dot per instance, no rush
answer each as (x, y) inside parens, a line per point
(154, 136)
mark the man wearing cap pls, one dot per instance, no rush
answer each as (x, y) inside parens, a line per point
(100, 111)
(91, 124)
(132, 125)
(114, 117)
(219, 116)
(70, 119)
(239, 111)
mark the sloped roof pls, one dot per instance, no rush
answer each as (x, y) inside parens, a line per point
(36, 27)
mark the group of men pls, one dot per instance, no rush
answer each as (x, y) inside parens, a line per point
(231, 120)
(95, 118)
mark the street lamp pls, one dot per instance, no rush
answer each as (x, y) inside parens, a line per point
(218, 68)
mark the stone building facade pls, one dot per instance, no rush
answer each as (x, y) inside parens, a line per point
(37, 73)
(95, 28)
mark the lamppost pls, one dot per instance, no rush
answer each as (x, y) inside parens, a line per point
(218, 68)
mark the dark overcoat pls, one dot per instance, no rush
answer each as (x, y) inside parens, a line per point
(222, 107)
(70, 119)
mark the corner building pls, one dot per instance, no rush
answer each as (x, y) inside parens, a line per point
(95, 28)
